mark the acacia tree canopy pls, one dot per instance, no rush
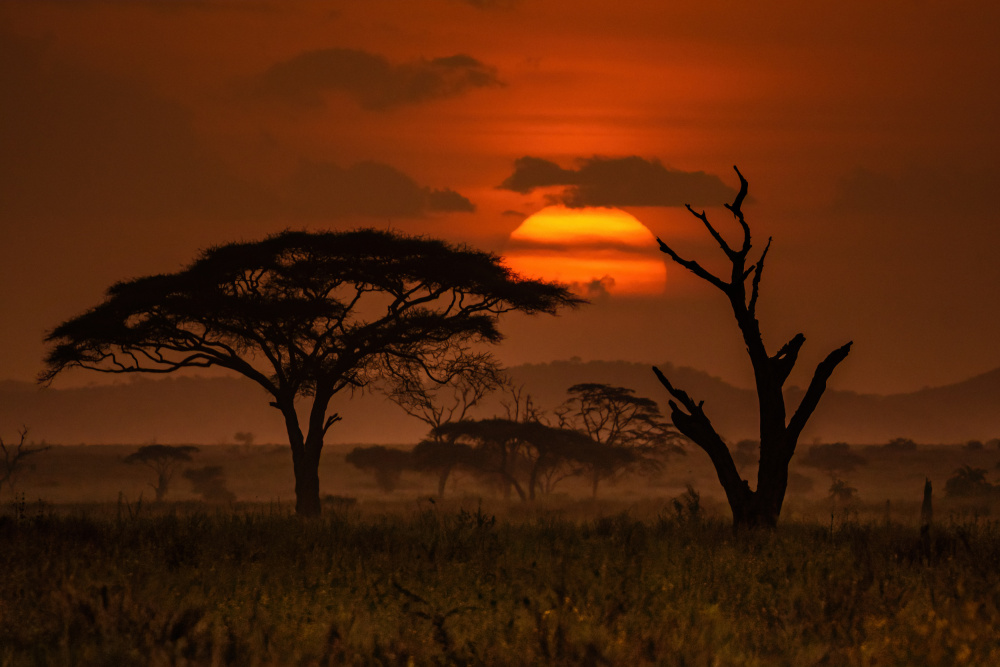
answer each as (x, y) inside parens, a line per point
(306, 314)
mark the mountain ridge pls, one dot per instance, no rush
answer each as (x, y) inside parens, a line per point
(210, 410)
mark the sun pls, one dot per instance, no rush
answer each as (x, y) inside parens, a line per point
(593, 250)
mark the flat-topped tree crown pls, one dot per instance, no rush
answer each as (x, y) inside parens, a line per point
(307, 314)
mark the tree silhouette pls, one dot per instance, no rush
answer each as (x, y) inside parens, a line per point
(440, 403)
(833, 458)
(631, 428)
(517, 453)
(210, 483)
(386, 464)
(306, 315)
(968, 482)
(163, 460)
(778, 434)
(14, 457)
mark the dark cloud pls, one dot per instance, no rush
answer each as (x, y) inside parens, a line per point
(597, 289)
(624, 181)
(917, 190)
(373, 81)
(78, 144)
(370, 189)
(510, 213)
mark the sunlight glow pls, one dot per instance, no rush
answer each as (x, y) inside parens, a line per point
(594, 250)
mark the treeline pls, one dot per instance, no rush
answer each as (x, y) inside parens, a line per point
(599, 433)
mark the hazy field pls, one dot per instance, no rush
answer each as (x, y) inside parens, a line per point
(95, 576)
(263, 474)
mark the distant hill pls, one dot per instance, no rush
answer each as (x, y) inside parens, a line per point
(211, 410)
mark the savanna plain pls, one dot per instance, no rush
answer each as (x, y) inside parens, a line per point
(649, 572)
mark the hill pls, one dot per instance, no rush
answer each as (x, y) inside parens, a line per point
(211, 410)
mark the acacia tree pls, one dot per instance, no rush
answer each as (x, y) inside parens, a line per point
(519, 452)
(436, 403)
(631, 429)
(778, 434)
(163, 460)
(306, 315)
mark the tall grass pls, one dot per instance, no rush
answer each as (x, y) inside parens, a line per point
(125, 586)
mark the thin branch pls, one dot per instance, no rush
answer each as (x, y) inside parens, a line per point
(711, 230)
(736, 209)
(758, 268)
(815, 391)
(693, 267)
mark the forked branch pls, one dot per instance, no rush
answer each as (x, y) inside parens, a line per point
(815, 391)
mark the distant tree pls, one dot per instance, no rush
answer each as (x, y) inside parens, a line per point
(244, 438)
(15, 456)
(778, 435)
(516, 453)
(440, 403)
(210, 483)
(842, 492)
(974, 445)
(833, 458)
(900, 445)
(635, 435)
(163, 460)
(307, 315)
(441, 457)
(385, 463)
(968, 482)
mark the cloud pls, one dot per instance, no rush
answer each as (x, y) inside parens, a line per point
(373, 81)
(370, 189)
(917, 190)
(598, 288)
(79, 144)
(624, 181)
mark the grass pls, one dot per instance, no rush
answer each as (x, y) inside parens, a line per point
(446, 584)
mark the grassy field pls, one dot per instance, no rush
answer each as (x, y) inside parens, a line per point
(464, 583)
(96, 574)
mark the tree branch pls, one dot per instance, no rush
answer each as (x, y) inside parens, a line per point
(757, 269)
(696, 425)
(815, 391)
(784, 360)
(693, 267)
(736, 209)
(711, 230)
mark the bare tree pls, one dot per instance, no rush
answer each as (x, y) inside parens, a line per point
(778, 434)
(14, 457)
(631, 429)
(163, 460)
(442, 403)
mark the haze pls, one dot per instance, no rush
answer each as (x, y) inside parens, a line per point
(133, 134)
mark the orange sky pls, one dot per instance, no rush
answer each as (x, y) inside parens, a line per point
(135, 132)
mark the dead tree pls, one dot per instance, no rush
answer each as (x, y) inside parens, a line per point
(778, 434)
(14, 456)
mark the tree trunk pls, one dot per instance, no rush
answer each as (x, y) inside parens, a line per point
(305, 456)
(594, 482)
(443, 480)
(306, 469)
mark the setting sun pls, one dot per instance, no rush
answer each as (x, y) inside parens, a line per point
(594, 250)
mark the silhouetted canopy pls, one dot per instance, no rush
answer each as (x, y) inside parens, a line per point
(305, 306)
